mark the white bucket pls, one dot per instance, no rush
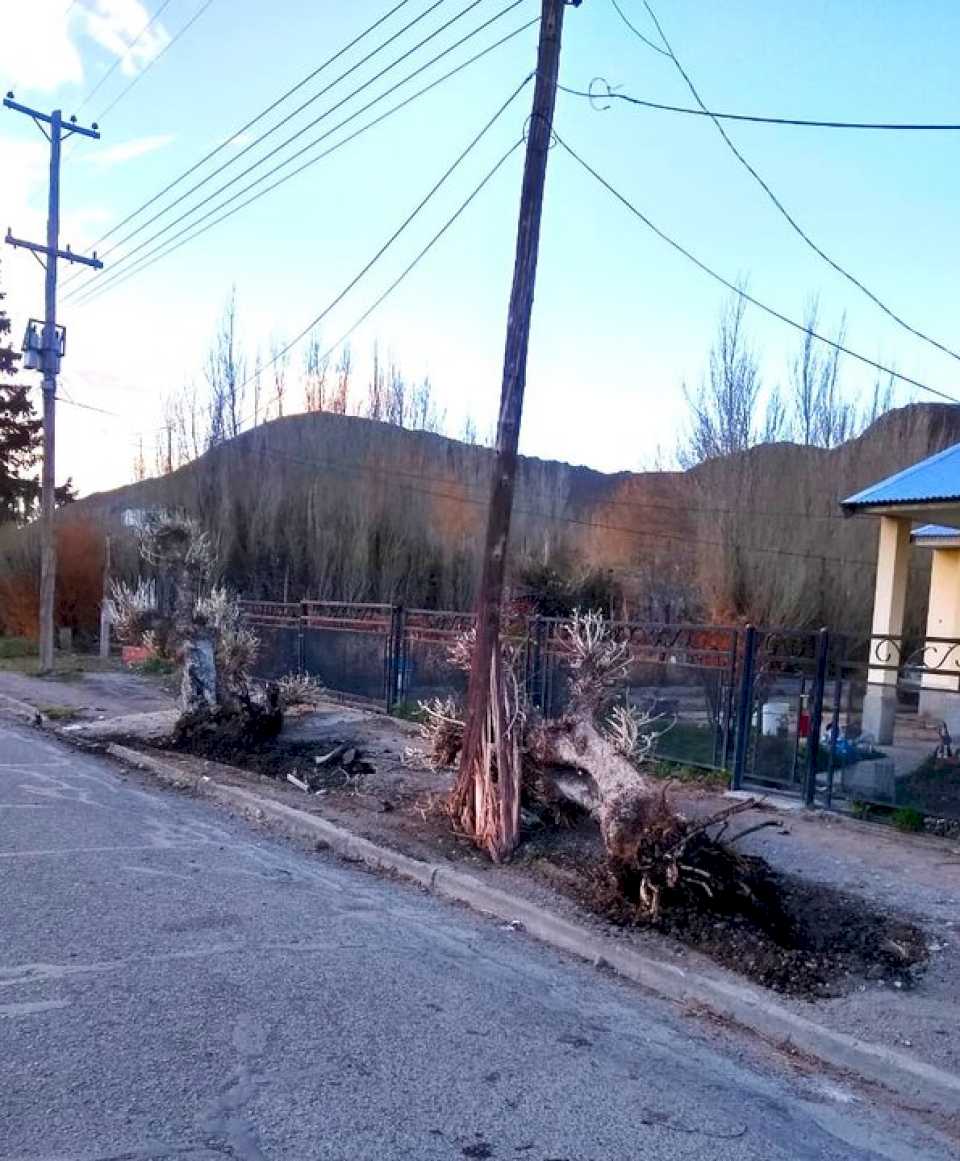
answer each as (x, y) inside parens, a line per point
(773, 717)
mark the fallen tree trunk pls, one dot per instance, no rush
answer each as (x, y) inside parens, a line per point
(592, 757)
(632, 809)
(640, 828)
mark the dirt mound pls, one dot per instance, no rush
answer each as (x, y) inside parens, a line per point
(802, 939)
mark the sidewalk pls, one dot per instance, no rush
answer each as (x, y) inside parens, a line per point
(92, 694)
(915, 875)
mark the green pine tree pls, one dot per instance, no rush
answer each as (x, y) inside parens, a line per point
(20, 434)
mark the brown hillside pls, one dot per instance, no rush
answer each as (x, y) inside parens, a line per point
(348, 508)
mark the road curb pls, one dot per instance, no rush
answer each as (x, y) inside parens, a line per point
(21, 709)
(741, 1003)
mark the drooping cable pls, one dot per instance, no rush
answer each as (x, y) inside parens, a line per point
(739, 290)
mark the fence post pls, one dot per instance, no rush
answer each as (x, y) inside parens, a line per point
(301, 639)
(535, 661)
(744, 708)
(726, 709)
(395, 666)
(816, 718)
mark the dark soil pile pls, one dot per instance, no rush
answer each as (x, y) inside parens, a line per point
(276, 758)
(798, 938)
(801, 939)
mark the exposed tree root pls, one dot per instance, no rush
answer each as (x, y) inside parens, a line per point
(589, 760)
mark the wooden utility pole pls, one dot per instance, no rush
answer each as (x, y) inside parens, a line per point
(482, 693)
(50, 354)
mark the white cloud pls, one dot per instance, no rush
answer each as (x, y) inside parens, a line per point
(36, 49)
(129, 150)
(117, 26)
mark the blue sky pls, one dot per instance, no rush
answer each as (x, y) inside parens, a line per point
(620, 321)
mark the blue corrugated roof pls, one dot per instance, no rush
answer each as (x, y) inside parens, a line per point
(935, 478)
(934, 532)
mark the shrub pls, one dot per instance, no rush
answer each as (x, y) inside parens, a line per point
(17, 647)
(907, 818)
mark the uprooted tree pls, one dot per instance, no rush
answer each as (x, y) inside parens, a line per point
(203, 632)
(591, 757)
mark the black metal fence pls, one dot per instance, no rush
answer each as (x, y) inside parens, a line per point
(863, 725)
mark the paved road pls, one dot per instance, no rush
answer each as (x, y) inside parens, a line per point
(176, 984)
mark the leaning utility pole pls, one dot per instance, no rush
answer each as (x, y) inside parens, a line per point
(50, 351)
(495, 824)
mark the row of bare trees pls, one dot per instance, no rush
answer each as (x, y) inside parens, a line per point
(731, 411)
(232, 397)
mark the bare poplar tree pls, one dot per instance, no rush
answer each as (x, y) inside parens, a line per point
(469, 433)
(340, 402)
(425, 415)
(315, 368)
(882, 399)
(822, 416)
(257, 387)
(396, 407)
(376, 388)
(280, 361)
(140, 463)
(723, 412)
(225, 373)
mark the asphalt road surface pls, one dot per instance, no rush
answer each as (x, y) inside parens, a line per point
(175, 983)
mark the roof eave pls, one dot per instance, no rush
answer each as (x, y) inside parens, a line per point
(919, 508)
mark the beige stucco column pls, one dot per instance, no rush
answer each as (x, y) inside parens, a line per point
(890, 596)
(943, 619)
(889, 602)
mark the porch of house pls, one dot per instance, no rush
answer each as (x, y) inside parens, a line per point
(911, 704)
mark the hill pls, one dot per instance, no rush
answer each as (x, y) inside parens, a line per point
(346, 508)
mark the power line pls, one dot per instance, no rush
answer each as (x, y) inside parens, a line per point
(284, 121)
(169, 245)
(253, 121)
(87, 406)
(123, 55)
(404, 273)
(739, 289)
(400, 229)
(149, 65)
(785, 212)
(448, 172)
(611, 94)
(292, 138)
(636, 31)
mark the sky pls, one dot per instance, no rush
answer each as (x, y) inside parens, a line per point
(620, 321)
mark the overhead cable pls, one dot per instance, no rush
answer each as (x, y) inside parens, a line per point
(786, 214)
(153, 60)
(249, 124)
(171, 244)
(121, 57)
(739, 290)
(248, 147)
(610, 93)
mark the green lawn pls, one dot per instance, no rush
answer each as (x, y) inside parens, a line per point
(66, 666)
(933, 788)
(689, 744)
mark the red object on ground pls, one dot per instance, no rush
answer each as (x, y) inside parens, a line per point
(135, 654)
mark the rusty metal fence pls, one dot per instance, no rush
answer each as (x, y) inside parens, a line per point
(863, 725)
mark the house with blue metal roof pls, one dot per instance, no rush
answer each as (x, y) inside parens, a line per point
(918, 508)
